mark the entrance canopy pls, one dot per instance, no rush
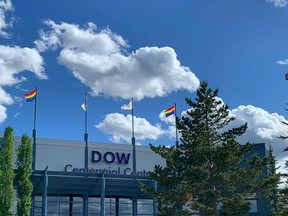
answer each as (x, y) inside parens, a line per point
(69, 183)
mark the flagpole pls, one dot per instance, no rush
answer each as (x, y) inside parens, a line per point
(177, 142)
(86, 133)
(133, 138)
(34, 133)
(132, 117)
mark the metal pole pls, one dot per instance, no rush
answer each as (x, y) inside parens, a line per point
(34, 151)
(86, 133)
(134, 206)
(85, 205)
(134, 199)
(85, 197)
(134, 155)
(117, 206)
(133, 138)
(44, 196)
(70, 205)
(102, 195)
(34, 133)
(177, 142)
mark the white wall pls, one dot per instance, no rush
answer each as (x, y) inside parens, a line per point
(57, 154)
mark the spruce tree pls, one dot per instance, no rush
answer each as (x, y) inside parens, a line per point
(23, 173)
(6, 173)
(207, 174)
(273, 181)
(282, 209)
(282, 205)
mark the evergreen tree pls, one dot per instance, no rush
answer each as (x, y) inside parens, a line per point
(272, 180)
(24, 171)
(207, 173)
(282, 205)
(6, 173)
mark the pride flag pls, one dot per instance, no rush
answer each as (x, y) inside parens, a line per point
(170, 111)
(31, 96)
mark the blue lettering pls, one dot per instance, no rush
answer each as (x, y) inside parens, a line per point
(68, 168)
(96, 156)
(123, 157)
(109, 157)
(127, 171)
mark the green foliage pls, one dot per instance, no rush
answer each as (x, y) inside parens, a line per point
(234, 206)
(272, 181)
(24, 171)
(6, 173)
(204, 174)
(282, 205)
(282, 198)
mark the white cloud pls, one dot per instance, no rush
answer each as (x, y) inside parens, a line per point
(278, 3)
(262, 124)
(5, 6)
(99, 59)
(3, 114)
(282, 62)
(5, 99)
(13, 61)
(171, 132)
(262, 127)
(119, 128)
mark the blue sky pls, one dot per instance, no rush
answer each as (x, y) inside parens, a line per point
(154, 51)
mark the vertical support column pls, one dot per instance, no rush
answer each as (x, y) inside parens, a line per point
(85, 205)
(102, 195)
(70, 205)
(134, 206)
(44, 195)
(154, 199)
(117, 206)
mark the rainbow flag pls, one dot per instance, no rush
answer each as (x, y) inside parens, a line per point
(170, 111)
(31, 96)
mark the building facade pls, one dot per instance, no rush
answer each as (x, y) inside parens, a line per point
(109, 185)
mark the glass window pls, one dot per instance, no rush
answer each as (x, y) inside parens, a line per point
(253, 206)
(64, 207)
(52, 207)
(145, 206)
(125, 207)
(93, 205)
(38, 204)
(110, 206)
(77, 205)
(38, 198)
